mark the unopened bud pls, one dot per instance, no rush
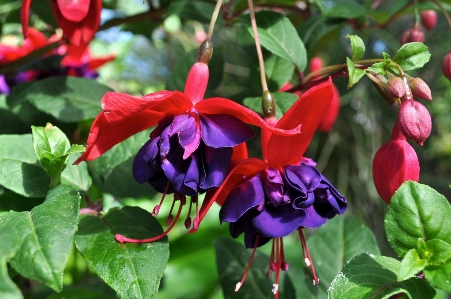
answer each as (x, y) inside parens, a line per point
(420, 89)
(205, 51)
(394, 163)
(396, 87)
(413, 35)
(415, 121)
(268, 104)
(429, 19)
(446, 66)
(316, 63)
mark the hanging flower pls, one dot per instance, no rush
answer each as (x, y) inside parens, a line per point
(79, 19)
(268, 200)
(190, 149)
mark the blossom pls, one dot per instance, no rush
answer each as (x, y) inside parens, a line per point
(190, 149)
(271, 198)
(79, 19)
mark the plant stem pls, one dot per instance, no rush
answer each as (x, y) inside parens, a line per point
(213, 18)
(258, 46)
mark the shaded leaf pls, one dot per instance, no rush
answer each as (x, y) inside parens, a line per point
(278, 35)
(78, 294)
(368, 276)
(46, 236)
(8, 290)
(191, 9)
(336, 242)
(132, 270)
(76, 175)
(19, 168)
(10, 201)
(355, 74)
(439, 276)
(284, 101)
(278, 72)
(357, 46)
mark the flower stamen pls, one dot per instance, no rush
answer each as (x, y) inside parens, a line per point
(239, 284)
(307, 258)
(156, 209)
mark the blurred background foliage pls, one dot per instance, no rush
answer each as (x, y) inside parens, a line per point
(156, 51)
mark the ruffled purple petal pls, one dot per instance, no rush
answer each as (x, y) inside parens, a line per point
(303, 176)
(216, 162)
(147, 161)
(191, 179)
(185, 126)
(222, 130)
(313, 219)
(274, 186)
(276, 222)
(243, 197)
(302, 202)
(340, 202)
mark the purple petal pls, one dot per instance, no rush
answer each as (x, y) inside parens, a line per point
(275, 222)
(303, 176)
(313, 219)
(185, 126)
(175, 168)
(4, 88)
(274, 186)
(243, 197)
(216, 162)
(162, 125)
(160, 183)
(302, 202)
(146, 161)
(221, 130)
(191, 179)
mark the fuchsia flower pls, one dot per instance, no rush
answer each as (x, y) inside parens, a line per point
(79, 19)
(190, 149)
(269, 199)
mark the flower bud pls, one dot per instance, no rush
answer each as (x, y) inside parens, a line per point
(413, 35)
(331, 115)
(394, 163)
(420, 89)
(429, 19)
(316, 63)
(396, 87)
(446, 66)
(414, 121)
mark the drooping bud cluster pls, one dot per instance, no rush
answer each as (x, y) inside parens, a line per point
(394, 163)
(414, 121)
(413, 35)
(429, 19)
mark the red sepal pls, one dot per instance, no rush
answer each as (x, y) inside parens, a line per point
(24, 14)
(247, 167)
(74, 10)
(308, 111)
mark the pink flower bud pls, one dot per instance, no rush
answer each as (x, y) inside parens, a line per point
(331, 115)
(414, 121)
(315, 64)
(429, 19)
(446, 66)
(396, 87)
(394, 163)
(420, 89)
(413, 35)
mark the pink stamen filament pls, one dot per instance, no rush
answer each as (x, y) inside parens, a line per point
(156, 210)
(196, 218)
(188, 217)
(278, 264)
(307, 257)
(238, 285)
(120, 238)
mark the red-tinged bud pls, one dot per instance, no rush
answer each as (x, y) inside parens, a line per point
(413, 35)
(429, 19)
(396, 87)
(414, 121)
(197, 81)
(394, 163)
(420, 89)
(315, 64)
(328, 121)
(446, 66)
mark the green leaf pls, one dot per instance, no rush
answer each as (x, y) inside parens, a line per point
(10, 201)
(132, 270)
(19, 168)
(411, 264)
(52, 147)
(232, 259)
(368, 276)
(347, 9)
(278, 72)
(436, 251)
(76, 175)
(417, 211)
(46, 236)
(336, 242)
(78, 293)
(355, 74)
(357, 45)
(378, 68)
(10, 245)
(192, 10)
(412, 56)
(279, 36)
(439, 276)
(68, 99)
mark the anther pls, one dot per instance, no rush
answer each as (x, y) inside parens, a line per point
(239, 284)
(156, 209)
(275, 288)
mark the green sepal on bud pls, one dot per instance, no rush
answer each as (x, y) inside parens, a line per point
(205, 51)
(268, 104)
